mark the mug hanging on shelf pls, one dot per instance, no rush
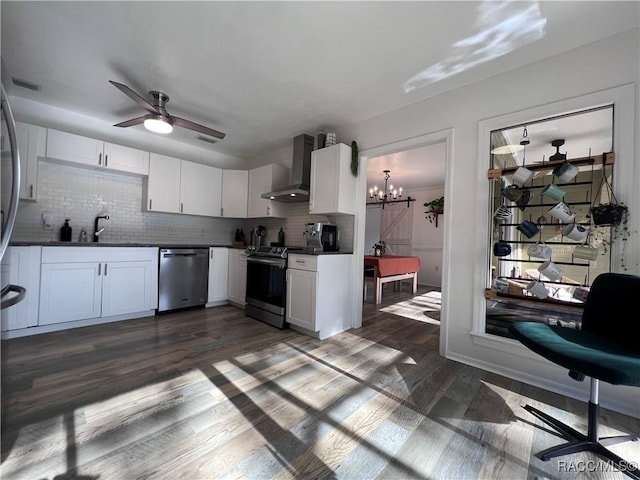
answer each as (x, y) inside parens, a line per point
(566, 171)
(553, 192)
(540, 250)
(576, 232)
(501, 248)
(538, 289)
(512, 192)
(562, 212)
(522, 175)
(552, 271)
(584, 252)
(528, 229)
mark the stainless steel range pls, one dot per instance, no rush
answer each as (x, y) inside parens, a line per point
(267, 283)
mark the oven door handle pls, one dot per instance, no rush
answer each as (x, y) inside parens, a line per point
(268, 261)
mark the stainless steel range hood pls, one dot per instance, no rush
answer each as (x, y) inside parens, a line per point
(298, 188)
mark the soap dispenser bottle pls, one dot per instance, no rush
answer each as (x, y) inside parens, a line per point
(65, 231)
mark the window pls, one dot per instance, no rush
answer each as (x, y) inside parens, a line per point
(546, 250)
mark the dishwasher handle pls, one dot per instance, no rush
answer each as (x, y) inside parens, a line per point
(184, 252)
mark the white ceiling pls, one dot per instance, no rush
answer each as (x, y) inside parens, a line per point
(264, 72)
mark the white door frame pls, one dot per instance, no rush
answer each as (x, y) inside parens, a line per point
(445, 136)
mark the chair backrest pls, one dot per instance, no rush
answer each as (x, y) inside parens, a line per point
(612, 309)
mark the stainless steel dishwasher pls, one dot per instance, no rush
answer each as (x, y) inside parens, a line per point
(183, 278)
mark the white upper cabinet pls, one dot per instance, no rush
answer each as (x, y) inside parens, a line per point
(163, 184)
(200, 189)
(32, 143)
(262, 180)
(126, 159)
(96, 153)
(179, 186)
(235, 193)
(333, 186)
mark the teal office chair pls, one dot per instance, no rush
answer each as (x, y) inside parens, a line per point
(607, 348)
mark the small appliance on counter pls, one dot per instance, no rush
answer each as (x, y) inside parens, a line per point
(322, 236)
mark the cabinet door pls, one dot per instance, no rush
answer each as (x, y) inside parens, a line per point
(127, 287)
(126, 159)
(200, 189)
(301, 298)
(22, 268)
(31, 144)
(332, 184)
(262, 180)
(218, 274)
(74, 148)
(69, 291)
(235, 190)
(237, 276)
(163, 184)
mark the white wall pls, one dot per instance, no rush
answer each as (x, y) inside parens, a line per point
(596, 67)
(427, 241)
(372, 228)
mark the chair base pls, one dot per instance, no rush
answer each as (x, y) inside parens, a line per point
(578, 442)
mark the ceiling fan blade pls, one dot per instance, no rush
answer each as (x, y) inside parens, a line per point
(136, 98)
(181, 122)
(132, 122)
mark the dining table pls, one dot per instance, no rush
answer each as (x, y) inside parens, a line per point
(391, 268)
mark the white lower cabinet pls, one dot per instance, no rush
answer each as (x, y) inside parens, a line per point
(237, 276)
(21, 266)
(218, 275)
(80, 283)
(319, 293)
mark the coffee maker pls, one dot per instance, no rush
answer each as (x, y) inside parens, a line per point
(322, 236)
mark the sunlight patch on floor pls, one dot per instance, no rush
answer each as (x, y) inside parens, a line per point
(424, 308)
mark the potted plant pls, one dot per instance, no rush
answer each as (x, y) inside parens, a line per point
(379, 248)
(611, 213)
(435, 208)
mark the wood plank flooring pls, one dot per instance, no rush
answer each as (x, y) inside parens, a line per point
(212, 394)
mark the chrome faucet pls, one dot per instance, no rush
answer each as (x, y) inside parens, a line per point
(96, 231)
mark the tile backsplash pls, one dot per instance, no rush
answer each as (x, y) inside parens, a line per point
(80, 194)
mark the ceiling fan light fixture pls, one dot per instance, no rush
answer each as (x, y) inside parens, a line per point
(507, 149)
(158, 124)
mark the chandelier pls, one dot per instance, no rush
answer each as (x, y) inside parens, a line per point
(388, 194)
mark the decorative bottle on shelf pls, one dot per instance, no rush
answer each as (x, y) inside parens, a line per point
(65, 231)
(281, 237)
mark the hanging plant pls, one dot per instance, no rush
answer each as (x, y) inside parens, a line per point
(354, 158)
(611, 213)
(435, 208)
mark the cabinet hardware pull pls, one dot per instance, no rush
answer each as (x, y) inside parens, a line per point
(149, 204)
(221, 212)
(99, 269)
(210, 253)
(106, 159)
(268, 210)
(31, 191)
(181, 207)
(99, 159)
(105, 269)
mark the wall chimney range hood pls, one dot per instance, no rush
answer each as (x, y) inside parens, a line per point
(300, 179)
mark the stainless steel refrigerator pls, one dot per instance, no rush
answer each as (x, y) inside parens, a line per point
(10, 196)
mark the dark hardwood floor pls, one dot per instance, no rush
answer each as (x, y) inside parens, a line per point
(210, 394)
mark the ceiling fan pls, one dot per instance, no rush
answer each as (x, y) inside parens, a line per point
(158, 119)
